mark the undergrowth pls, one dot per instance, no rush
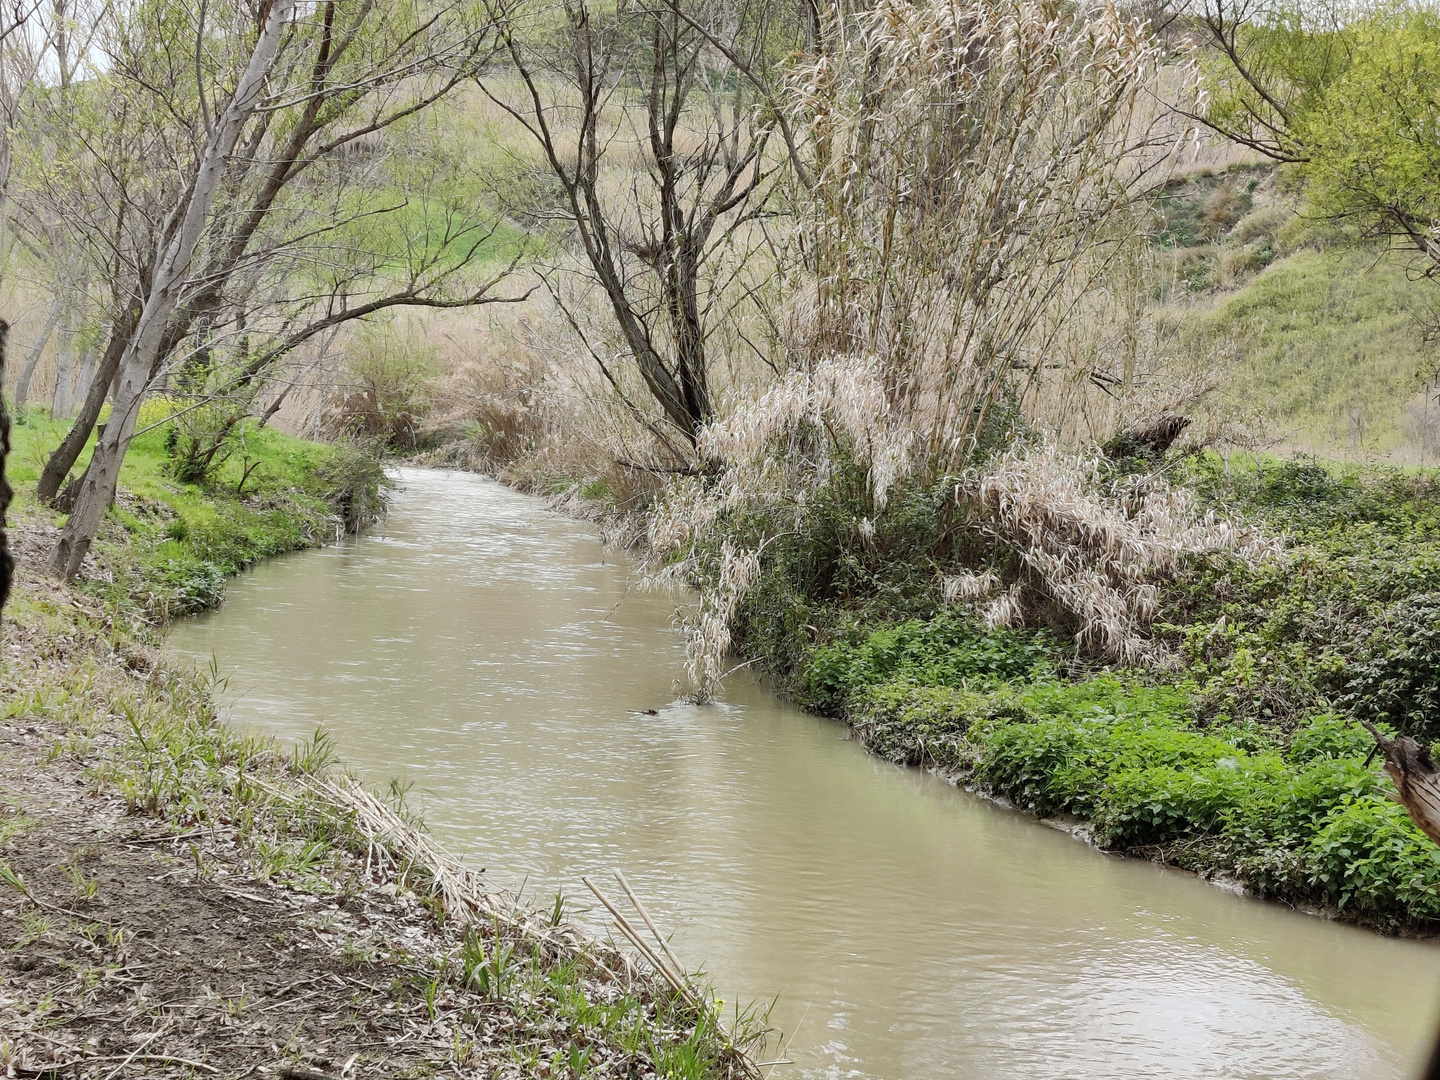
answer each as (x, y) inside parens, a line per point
(1238, 756)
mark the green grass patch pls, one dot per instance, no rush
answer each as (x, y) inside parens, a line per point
(172, 545)
(1329, 340)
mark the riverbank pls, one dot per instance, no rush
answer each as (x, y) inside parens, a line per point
(1237, 754)
(168, 546)
(179, 898)
(1233, 752)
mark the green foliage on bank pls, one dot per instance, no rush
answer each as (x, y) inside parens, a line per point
(1301, 816)
(949, 650)
(1344, 619)
(1244, 758)
(170, 545)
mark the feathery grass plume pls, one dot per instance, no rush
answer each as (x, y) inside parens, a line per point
(974, 164)
(1095, 548)
(969, 586)
(772, 455)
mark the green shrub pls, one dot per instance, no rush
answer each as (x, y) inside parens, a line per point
(359, 487)
(913, 724)
(853, 565)
(1330, 736)
(1342, 619)
(1371, 861)
(1023, 762)
(1306, 799)
(193, 585)
(1089, 733)
(948, 650)
(1395, 678)
(1164, 803)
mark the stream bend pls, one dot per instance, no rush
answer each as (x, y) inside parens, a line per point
(495, 655)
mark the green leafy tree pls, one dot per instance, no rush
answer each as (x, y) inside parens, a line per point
(1348, 96)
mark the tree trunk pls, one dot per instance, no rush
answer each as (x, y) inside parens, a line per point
(63, 459)
(1417, 781)
(7, 564)
(64, 396)
(102, 475)
(22, 388)
(84, 372)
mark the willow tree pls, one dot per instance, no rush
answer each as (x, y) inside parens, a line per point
(248, 225)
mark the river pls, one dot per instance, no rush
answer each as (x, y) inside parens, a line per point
(497, 656)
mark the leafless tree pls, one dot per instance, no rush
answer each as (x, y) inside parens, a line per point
(288, 226)
(189, 219)
(650, 237)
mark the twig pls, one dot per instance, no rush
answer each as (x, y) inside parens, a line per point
(180, 1061)
(165, 839)
(134, 1053)
(648, 921)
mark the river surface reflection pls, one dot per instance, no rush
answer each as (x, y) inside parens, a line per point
(498, 656)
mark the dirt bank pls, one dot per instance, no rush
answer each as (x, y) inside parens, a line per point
(179, 899)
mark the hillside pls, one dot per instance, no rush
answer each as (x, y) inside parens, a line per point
(1321, 330)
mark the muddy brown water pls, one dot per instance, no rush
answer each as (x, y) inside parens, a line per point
(495, 655)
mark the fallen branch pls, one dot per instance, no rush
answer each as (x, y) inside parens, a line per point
(1416, 779)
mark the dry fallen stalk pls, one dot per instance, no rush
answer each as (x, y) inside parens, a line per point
(466, 899)
(676, 980)
(649, 922)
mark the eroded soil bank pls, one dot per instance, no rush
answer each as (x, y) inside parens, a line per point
(178, 899)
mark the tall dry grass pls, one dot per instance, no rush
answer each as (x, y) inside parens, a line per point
(974, 169)
(975, 162)
(1117, 359)
(1092, 546)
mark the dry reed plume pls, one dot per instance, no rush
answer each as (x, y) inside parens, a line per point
(974, 163)
(1094, 548)
(774, 452)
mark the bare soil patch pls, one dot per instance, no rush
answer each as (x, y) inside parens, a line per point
(179, 963)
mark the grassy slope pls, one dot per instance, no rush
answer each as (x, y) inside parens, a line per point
(1328, 340)
(1323, 329)
(172, 545)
